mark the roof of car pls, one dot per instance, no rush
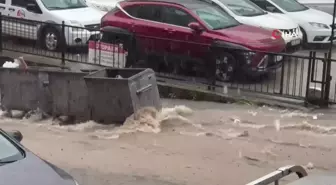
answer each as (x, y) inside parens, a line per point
(191, 4)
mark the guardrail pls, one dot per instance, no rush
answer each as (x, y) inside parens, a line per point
(276, 176)
(278, 74)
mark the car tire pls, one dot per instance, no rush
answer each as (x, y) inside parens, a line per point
(226, 66)
(52, 40)
(305, 44)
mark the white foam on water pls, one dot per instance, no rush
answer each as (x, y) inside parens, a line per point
(147, 119)
(300, 114)
(151, 120)
(310, 127)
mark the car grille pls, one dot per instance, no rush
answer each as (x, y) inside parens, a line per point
(93, 27)
(290, 31)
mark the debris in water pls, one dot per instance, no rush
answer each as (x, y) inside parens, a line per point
(245, 133)
(253, 113)
(36, 115)
(309, 166)
(235, 120)
(251, 158)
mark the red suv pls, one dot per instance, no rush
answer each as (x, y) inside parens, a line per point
(182, 33)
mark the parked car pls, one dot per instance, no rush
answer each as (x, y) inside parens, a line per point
(42, 19)
(185, 30)
(248, 13)
(20, 166)
(102, 5)
(322, 5)
(315, 24)
(319, 178)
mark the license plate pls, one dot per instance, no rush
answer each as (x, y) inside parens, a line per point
(295, 42)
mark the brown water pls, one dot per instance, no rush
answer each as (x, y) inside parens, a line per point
(189, 142)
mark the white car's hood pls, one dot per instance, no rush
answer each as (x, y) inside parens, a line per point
(269, 21)
(84, 16)
(103, 5)
(311, 15)
(316, 1)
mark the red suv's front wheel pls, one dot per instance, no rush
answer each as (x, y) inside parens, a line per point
(225, 67)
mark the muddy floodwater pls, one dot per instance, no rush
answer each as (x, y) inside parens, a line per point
(194, 143)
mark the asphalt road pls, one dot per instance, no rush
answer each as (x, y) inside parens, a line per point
(293, 83)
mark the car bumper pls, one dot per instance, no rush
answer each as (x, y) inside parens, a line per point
(293, 42)
(322, 36)
(81, 38)
(266, 65)
(291, 49)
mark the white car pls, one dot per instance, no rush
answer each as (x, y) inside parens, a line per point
(41, 20)
(248, 13)
(315, 24)
(323, 5)
(102, 5)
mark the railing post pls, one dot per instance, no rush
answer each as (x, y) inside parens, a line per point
(282, 73)
(310, 67)
(1, 32)
(65, 44)
(327, 80)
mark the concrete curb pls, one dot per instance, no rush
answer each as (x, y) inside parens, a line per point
(184, 92)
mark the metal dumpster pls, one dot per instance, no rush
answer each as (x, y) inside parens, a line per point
(53, 90)
(68, 94)
(115, 94)
(19, 89)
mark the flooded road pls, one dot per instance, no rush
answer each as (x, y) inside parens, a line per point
(195, 143)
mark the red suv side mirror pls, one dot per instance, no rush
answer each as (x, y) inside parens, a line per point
(195, 26)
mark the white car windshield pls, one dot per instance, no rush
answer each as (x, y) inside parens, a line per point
(215, 19)
(63, 4)
(243, 7)
(8, 152)
(290, 5)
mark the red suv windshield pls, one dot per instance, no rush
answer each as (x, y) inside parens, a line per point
(215, 19)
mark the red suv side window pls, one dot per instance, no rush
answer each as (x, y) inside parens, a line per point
(147, 12)
(176, 16)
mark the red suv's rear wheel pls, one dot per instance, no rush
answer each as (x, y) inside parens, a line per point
(226, 65)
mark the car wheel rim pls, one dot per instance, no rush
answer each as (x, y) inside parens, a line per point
(224, 69)
(51, 41)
